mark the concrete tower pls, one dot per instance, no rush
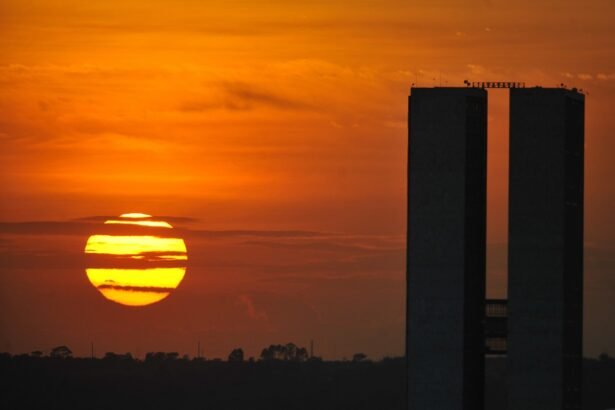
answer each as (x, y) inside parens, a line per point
(545, 267)
(446, 248)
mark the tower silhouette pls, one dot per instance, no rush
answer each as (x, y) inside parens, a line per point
(445, 317)
(545, 273)
(446, 247)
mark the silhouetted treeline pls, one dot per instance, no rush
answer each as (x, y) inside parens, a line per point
(290, 352)
(168, 381)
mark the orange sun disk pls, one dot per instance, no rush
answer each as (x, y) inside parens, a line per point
(137, 286)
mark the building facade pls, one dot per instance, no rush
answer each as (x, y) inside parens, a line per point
(447, 165)
(545, 266)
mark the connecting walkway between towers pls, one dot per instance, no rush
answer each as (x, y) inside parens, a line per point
(496, 326)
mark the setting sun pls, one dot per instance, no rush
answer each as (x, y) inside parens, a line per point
(109, 258)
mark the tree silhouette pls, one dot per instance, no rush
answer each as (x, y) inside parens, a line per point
(288, 352)
(160, 356)
(359, 357)
(116, 356)
(236, 355)
(117, 382)
(61, 352)
(274, 352)
(301, 354)
(270, 353)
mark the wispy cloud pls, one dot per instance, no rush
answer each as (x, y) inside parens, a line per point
(89, 225)
(602, 76)
(240, 96)
(251, 310)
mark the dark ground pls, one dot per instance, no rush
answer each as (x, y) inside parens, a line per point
(46, 383)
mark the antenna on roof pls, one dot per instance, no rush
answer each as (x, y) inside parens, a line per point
(494, 84)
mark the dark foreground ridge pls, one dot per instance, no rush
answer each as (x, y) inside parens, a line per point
(169, 382)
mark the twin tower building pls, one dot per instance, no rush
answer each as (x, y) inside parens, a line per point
(447, 176)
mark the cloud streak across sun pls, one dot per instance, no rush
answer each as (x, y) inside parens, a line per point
(132, 245)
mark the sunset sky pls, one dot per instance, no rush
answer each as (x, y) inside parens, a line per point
(272, 135)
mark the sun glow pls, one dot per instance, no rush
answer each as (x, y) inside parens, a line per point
(136, 215)
(133, 245)
(136, 286)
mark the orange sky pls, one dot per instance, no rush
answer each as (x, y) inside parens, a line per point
(264, 116)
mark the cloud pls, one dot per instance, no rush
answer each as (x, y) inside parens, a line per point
(166, 218)
(240, 96)
(156, 289)
(587, 76)
(249, 94)
(46, 228)
(401, 125)
(330, 243)
(89, 225)
(261, 252)
(602, 76)
(251, 310)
